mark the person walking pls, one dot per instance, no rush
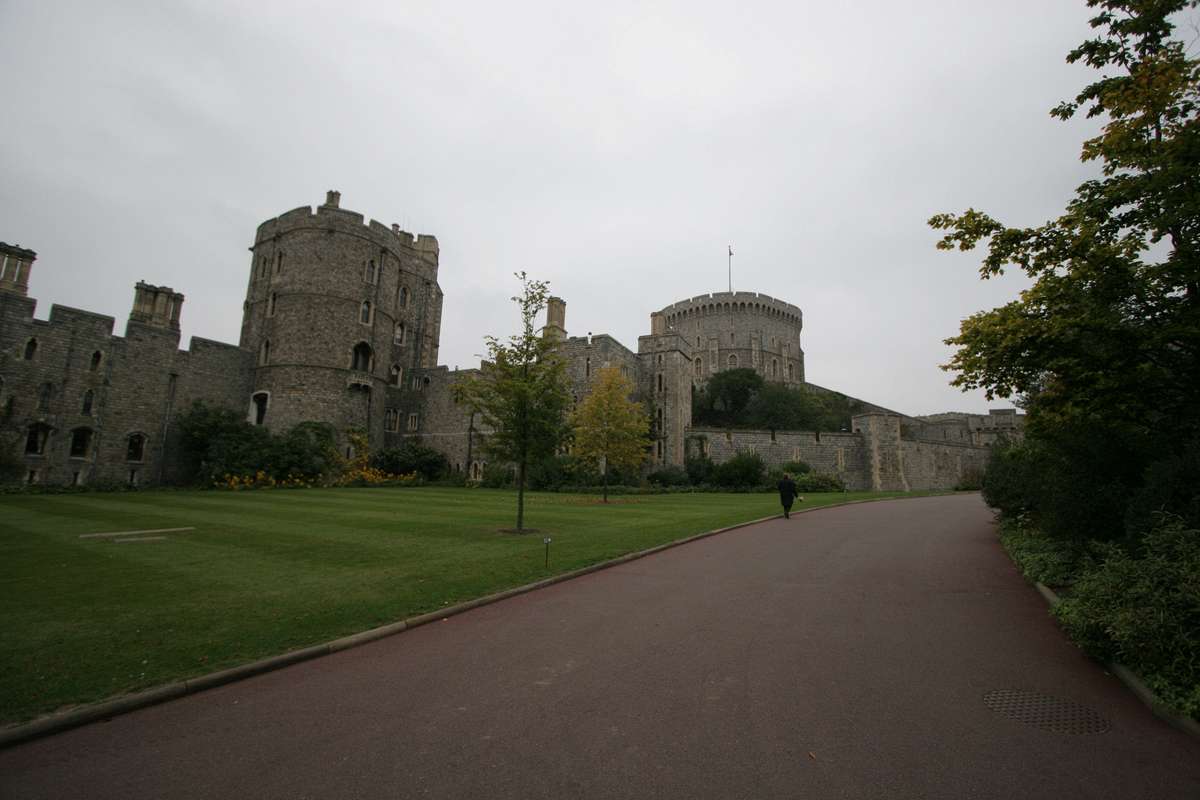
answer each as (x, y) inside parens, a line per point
(787, 494)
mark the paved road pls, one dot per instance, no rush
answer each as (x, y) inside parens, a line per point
(844, 653)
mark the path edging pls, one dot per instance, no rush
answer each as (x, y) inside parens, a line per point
(1134, 683)
(106, 709)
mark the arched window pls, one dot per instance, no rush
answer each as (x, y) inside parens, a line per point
(699, 366)
(398, 336)
(96, 359)
(396, 375)
(371, 272)
(774, 368)
(732, 361)
(403, 299)
(587, 368)
(361, 362)
(44, 394)
(264, 352)
(88, 397)
(260, 402)
(660, 381)
(35, 439)
(279, 263)
(791, 372)
(364, 312)
(135, 450)
(30, 349)
(81, 442)
(271, 305)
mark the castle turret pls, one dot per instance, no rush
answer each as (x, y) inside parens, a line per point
(15, 265)
(156, 305)
(556, 319)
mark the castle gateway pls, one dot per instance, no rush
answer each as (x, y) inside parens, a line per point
(341, 324)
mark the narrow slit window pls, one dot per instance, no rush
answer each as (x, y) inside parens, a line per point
(136, 448)
(88, 397)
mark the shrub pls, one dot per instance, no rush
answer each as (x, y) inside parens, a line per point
(743, 470)
(796, 468)
(699, 470)
(669, 476)
(819, 482)
(412, 456)
(498, 476)
(1047, 559)
(970, 481)
(1143, 610)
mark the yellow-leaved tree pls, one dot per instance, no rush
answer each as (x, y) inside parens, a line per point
(610, 429)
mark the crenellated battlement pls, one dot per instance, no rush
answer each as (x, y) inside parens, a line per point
(331, 216)
(741, 303)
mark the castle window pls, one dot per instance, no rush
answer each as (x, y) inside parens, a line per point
(402, 301)
(364, 312)
(44, 394)
(30, 349)
(262, 267)
(259, 403)
(416, 382)
(135, 449)
(398, 336)
(371, 272)
(587, 368)
(96, 358)
(35, 439)
(395, 375)
(279, 263)
(791, 372)
(699, 366)
(361, 361)
(732, 361)
(264, 352)
(660, 382)
(81, 442)
(660, 359)
(731, 337)
(391, 420)
(660, 449)
(413, 422)
(271, 305)
(697, 341)
(774, 368)
(88, 397)
(658, 417)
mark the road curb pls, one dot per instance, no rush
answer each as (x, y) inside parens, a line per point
(1134, 683)
(77, 717)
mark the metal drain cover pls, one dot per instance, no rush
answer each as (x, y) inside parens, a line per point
(1046, 712)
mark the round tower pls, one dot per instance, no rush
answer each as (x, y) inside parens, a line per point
(338, 313)
(728, 330)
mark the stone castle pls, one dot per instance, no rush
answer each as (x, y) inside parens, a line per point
(341, 324)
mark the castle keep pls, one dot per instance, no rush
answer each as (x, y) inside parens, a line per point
(341, 324)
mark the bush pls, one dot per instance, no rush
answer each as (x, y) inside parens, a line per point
(970, 481)
(669, 476)
(498, 476)
(1046, 559)
(1143, 610)
(819, 482)
(743, 470)
(410, 457)
(1010, 483)
(699, 470)
(796, 468)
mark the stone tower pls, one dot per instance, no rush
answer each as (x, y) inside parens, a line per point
(339, 313)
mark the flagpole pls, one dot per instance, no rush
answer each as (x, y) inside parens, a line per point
(731, 269)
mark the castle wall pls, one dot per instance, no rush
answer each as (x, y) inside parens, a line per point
(840, 454)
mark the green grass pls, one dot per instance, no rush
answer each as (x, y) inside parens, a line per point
(270, 571)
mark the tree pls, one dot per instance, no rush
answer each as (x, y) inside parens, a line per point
(1110, 329)
(724, 398)
(521, 392)
(1103, 346)
(609, 427)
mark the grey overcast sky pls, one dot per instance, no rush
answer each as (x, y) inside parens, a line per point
(614, 149)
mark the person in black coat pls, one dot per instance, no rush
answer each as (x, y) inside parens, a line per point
(787, 494)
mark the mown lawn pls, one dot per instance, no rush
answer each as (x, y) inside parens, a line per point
(270, 571)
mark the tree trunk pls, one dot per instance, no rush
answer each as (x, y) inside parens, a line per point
(521, 496)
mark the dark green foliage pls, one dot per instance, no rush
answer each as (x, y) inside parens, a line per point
(1143, 610)
(743, 470)
(795, 468)
(669, 476)
(1046, 559)
(410, 457)
(498, 476)
(551, 473)
(699, 470)
(218, 441)
(818, 482)
(971, 480)
(739, 398)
